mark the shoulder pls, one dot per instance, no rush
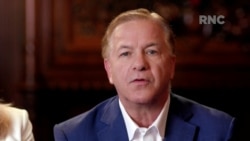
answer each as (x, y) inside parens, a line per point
(89, 120)
(199, 110)
(208, 119)
(20, 125)
(17, 113)
(16, 116)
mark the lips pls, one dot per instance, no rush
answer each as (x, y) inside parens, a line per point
(140, 81)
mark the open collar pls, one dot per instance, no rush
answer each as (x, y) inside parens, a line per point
(178, 127)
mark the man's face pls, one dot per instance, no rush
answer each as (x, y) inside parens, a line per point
(139, 62)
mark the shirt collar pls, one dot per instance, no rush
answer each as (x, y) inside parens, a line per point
(159, 123)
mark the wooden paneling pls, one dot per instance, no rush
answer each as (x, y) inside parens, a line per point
(11, 50)
(69, 67)
(68, 44)
(66, 57)
(211, 64)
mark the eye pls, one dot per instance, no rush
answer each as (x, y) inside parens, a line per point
(152, 52)
(125, 54)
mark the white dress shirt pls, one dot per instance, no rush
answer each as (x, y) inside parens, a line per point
(154, 132)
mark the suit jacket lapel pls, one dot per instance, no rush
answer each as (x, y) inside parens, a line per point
(115, 129)
(178, 128)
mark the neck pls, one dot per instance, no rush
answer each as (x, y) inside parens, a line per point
(145, 114)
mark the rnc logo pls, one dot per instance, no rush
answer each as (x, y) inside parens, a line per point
(214, 19)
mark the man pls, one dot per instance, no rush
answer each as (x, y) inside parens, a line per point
(138, 52)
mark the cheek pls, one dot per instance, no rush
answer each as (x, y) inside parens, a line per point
(119, 71)
(163, 70)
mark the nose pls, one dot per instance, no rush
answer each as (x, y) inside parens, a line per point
(140, 62)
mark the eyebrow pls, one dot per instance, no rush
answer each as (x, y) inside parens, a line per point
(151, 44)
(129, 47)
(124, 47)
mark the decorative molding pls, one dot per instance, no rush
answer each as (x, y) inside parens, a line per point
(68, 40)
(66, 59)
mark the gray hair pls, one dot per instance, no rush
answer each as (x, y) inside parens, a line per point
(136, 14)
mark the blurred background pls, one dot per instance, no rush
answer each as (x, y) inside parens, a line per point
(51, 65)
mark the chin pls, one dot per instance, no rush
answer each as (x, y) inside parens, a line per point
(143, 99)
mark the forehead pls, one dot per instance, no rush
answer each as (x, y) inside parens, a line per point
(141, 27)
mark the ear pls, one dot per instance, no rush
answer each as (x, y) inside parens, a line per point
(173, 61)
(108, 70)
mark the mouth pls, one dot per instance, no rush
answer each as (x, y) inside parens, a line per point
(140, 81)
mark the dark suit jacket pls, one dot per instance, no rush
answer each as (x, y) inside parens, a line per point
(187, 121)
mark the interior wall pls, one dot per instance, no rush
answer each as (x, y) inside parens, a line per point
(60, 101)
(11, 49)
